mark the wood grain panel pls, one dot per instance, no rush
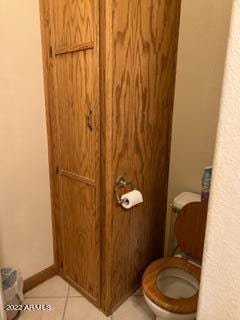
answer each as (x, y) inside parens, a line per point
(76, 98)
(74, 89)
(80, 260)
(77, 79)
(145, 37)
(74, 22)
(190, 229)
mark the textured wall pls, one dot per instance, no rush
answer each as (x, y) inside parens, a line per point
(203, 36)
(25, 214)
(220, 286)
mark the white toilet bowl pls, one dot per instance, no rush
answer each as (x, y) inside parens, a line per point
(173, 284)
(162, 314)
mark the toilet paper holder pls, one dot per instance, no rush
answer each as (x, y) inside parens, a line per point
(121, 182)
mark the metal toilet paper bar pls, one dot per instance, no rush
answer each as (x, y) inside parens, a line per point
(121, 182)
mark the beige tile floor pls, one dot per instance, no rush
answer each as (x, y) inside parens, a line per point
(68, 304)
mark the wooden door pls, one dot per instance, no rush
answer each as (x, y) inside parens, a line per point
(74, 128)
(141, 64)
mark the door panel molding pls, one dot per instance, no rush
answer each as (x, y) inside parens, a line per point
(75, 48)
(75, 176)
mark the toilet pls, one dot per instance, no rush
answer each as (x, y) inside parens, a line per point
(171, 285)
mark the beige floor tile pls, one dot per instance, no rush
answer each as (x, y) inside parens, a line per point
(55, 287)
(134, 308)
(138, 292)
(56, 312)
(81, 309)
(74, 293)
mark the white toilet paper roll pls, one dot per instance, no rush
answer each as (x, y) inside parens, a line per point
(131, 199)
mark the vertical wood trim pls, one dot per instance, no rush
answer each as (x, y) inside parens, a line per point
(106, 150)
(51, 126)
(169, 227)
(98, 142)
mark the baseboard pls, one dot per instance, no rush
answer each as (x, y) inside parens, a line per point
(39, 277)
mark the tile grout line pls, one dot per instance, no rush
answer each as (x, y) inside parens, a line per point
(65, 306)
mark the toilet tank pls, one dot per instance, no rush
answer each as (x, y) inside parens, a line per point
(184, 198)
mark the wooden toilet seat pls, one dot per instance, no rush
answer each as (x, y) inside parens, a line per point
(180, 306)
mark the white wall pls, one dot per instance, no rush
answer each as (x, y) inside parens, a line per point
(203, 35)
(220, 286)
(25, 220)
(202, 47)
